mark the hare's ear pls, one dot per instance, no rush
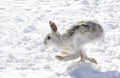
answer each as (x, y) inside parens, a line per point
(53, 26)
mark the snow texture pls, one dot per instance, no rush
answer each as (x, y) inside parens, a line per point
(24, 24)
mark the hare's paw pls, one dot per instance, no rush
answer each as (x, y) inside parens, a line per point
(93, 60)
(59, 57)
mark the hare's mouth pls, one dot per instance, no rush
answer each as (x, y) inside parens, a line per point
(45, 43)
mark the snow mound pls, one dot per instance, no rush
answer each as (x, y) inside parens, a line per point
(87, 70)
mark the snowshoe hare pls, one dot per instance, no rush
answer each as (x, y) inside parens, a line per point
(72, 42)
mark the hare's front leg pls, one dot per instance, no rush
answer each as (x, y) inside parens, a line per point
(60, 58)
(68, 57)
(62, 55)
(65, 53)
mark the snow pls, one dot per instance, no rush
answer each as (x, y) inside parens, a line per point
(24, 24)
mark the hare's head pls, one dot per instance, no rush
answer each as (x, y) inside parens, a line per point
(53, 37)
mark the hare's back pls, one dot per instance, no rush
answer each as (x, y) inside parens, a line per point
(89, 29)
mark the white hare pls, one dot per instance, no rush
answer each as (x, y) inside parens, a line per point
(72, 42)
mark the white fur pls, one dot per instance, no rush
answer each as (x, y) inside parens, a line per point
(74, 40)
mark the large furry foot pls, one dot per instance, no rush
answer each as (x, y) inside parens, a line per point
(93, 60)
(59, 57)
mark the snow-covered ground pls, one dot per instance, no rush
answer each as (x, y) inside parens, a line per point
(24, 23)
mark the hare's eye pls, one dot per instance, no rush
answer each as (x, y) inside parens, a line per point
(49, 37)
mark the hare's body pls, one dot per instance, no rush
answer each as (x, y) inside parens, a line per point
(74, 39)
(79, 34)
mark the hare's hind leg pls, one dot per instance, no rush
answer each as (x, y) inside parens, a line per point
(82, 57)
(91, 60)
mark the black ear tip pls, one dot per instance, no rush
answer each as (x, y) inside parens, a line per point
(50, 22)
